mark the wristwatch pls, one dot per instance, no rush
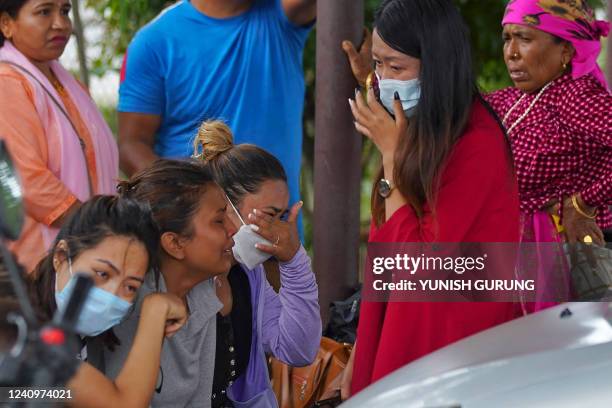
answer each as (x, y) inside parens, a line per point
(385, 187)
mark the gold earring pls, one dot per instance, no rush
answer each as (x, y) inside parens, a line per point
(564, 66)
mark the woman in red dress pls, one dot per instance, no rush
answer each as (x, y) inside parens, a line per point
(446, 176)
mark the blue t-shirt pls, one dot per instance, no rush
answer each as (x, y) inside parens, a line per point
(246, 70)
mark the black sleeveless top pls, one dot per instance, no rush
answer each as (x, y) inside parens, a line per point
(234, 333)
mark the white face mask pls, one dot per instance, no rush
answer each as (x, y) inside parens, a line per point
(244, 244)
(409, 93)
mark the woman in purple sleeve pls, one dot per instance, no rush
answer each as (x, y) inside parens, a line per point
(254, 319)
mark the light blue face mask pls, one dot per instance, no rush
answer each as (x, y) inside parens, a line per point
(409, 93)
(101, 311)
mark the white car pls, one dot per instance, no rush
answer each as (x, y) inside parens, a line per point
(560, 357)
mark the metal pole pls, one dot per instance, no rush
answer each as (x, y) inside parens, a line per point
(81, 44)
(337, 154)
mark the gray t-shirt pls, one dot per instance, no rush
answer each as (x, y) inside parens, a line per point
(187, 361)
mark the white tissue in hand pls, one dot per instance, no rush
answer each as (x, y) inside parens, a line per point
(244, 247)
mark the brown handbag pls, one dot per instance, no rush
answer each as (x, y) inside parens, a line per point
(303, 387)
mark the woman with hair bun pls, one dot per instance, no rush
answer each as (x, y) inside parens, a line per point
(195, 246)
(255, 319)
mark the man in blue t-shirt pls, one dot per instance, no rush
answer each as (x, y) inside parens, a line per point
(235, 60)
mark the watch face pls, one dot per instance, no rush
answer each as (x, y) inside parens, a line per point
(384, 189)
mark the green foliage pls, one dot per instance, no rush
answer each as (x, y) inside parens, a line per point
(120, 19)
(110, 116)
(483, 17)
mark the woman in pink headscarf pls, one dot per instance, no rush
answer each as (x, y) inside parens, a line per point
(558, 117)
(63, 149)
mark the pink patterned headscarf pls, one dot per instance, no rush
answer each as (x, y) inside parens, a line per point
(570, 20)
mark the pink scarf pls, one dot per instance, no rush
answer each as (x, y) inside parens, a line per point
(70, 167)
(541, 256)
(572, 21)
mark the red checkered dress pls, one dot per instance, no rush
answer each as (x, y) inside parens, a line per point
(564, 144)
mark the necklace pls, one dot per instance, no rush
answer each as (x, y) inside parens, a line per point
(519, 120)
(56, 83)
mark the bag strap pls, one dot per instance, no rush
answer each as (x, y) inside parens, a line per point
(61, 108)
(285, 400)
(327, 350)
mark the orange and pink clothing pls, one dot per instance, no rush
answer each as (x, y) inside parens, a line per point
(60, 160)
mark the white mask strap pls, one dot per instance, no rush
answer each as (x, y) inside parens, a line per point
(69, 270)
(70, 265)
(235, 210)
